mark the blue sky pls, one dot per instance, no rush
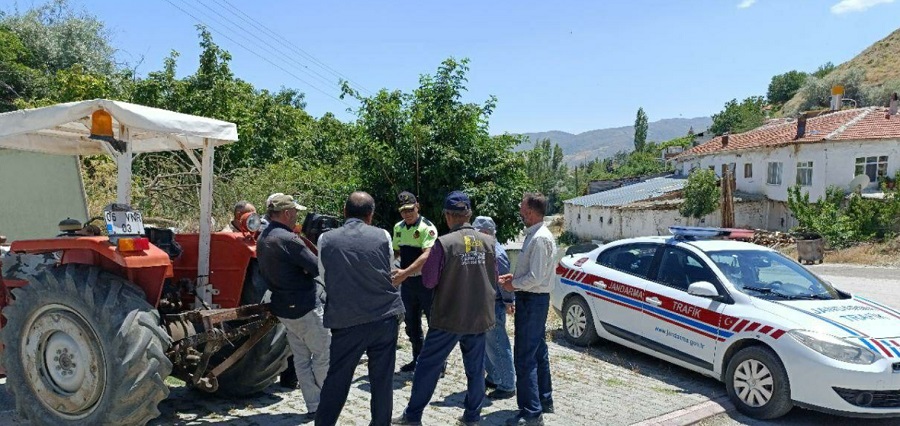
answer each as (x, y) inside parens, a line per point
(567, 65)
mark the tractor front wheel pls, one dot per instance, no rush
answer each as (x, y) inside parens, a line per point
(84, 347)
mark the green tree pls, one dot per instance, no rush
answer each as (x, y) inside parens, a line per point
(545, 167)
(431, 142)
(824, 70)
(640, 130)
(739, 117)
(816, 92)
(59, 37)
(783, 87)
(701, 194)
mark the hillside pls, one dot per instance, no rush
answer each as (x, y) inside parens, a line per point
(605, 143)
(880, 61)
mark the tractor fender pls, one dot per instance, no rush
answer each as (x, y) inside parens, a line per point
(148, 269)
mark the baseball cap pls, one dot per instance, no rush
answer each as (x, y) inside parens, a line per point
(457, 201)
(269, 200)
(485, 223)
(281, 202)
(406, 200)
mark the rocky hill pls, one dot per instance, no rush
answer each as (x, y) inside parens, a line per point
(603, 143)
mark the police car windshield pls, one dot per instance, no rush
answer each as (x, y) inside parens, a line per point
(770, 275)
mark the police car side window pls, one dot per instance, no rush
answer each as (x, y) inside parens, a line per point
(679, 269)
(634, 259)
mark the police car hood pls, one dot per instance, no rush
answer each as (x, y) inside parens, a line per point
(850, 318)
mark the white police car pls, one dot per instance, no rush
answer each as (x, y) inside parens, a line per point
(775, 333)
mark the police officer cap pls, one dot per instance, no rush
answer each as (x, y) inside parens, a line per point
(406, 200)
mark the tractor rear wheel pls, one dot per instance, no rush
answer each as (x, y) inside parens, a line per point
(257, 369)
(83, 346)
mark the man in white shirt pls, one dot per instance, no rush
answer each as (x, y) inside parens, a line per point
(532, 281)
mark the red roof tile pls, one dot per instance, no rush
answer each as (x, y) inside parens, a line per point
(853, 124)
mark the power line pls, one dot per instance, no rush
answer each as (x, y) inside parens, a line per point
(224, 30)
(271, 48)
(287, 43)
(256, 53)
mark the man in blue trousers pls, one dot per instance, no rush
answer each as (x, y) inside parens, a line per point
(498, 360)
(462, 269)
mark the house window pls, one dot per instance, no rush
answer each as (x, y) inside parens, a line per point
(774, 175)
(589, 217)
(804, 173)
(748, 170)
(874, 167)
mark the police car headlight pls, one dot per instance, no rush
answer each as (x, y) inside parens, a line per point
(834, 348)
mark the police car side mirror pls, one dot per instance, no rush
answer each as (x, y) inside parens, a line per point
(704, 289)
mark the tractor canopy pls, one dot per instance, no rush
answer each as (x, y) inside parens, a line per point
(123, 130)
(65, 129)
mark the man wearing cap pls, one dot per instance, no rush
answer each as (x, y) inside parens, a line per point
(289, 269)
(532, 282)
(462, 270)
(412, 240)
(498, 360)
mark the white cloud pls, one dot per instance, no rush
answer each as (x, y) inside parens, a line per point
(746, 3)
(845, 6)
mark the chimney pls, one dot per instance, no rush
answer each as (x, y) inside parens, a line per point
(725, 139)
(801, 126)
(892, 109)
(837, 95)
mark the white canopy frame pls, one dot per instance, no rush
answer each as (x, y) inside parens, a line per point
(65, 129)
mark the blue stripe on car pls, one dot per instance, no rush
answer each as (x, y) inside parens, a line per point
(651, 308)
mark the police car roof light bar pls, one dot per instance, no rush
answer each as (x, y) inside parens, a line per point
(697, 232)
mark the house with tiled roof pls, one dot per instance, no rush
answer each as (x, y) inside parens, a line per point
(815, 151)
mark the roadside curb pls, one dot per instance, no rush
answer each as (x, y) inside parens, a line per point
(693, 414)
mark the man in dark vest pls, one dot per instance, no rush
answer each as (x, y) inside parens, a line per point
(462, 269)
(363, 310)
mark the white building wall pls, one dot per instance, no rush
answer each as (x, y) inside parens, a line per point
(628, 223)
(834, 164)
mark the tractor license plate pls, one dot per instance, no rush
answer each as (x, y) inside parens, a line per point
(124, 223)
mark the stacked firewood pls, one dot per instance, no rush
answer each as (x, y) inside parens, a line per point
(772, 238)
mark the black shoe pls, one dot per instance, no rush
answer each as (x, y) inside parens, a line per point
(501, 394)
(408, 368)
(518, 420)
(547, 407)
(403, 420)
(489, 384)
(309, 417)
(288, 384)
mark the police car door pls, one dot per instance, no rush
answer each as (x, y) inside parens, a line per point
(676, 323)
(616, 282)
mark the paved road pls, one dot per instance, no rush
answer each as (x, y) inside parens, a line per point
(603, 385)
(880, 284)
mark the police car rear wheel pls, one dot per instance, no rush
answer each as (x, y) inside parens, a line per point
(578, 323)
(758, 384)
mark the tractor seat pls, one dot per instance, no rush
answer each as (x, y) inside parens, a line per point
(165, 240)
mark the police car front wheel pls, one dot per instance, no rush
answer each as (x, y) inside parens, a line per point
(758, 383)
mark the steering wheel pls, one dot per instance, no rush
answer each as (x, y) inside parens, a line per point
(776, 284)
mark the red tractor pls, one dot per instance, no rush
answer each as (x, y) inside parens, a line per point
(92, 325)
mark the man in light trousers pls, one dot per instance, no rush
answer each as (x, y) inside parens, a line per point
(290, 268)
